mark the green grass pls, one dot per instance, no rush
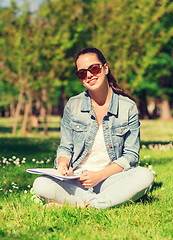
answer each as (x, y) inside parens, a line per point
(22, 218)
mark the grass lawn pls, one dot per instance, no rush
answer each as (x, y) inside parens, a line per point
(23, 218)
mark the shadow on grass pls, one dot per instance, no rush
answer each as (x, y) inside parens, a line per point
(40, 129)
(28, 147)
(150, 198)
(157, 155)
(6, 129)
(147, 143)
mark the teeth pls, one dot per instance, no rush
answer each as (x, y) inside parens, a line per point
(91, 81)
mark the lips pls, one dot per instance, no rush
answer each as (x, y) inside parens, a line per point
(92, 81)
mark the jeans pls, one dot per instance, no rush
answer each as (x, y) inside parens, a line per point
(116, 189)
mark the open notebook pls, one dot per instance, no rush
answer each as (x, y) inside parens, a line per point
(52, 172)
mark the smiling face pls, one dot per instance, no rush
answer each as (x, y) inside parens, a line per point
(92, 81)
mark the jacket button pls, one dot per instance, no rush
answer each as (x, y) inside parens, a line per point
(107, 127)
(110, 145)
(77, 127)
(120, 131)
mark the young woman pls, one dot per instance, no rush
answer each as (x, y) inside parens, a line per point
(100, 131)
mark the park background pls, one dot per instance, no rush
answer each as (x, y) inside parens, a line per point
(37, 77)
(37, 71)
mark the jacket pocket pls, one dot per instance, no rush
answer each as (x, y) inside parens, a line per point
(118, 134)
(79, 130)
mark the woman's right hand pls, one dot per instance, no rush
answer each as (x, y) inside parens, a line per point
(62, 168)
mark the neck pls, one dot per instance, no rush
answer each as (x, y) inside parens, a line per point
(101, 96)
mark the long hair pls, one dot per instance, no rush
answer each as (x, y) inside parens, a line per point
(111, 79)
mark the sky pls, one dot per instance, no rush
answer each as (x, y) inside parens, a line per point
(33, 3)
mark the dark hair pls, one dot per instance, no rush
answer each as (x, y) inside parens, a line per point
(111, 80)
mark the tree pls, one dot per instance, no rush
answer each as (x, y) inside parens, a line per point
(134, 36)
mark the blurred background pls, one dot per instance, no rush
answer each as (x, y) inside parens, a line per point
(38, 42)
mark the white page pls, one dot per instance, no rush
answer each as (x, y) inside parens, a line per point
(52, 172)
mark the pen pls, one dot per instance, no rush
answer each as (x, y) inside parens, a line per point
(70, 161)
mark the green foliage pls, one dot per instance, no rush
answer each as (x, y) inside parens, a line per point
(136, 37)
(37, 49)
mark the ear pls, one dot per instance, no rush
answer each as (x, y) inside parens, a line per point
(106, 68)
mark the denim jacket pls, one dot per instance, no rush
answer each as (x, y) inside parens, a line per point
(121, 130)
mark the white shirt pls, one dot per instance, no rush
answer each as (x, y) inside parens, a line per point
(97, 157)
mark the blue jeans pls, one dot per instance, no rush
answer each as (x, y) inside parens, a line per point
(116, 189)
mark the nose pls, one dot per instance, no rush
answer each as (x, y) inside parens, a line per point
(89, 74)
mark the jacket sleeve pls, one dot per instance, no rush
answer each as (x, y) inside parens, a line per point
(131, 147)
(65, 149)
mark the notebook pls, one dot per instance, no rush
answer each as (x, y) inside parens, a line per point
(52, 172)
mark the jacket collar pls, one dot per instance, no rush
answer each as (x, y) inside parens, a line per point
(86, 102)
(113, 105)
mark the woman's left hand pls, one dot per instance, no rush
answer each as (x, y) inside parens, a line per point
(90, 179)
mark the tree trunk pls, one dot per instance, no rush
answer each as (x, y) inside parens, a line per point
(12, 110)
(30, 121)
(28, 105)
(49, 110)
(17, 112)
(45, 124)
(165, 110)
(44, 112)
(144, 114)
(63, 101)
(7, 112)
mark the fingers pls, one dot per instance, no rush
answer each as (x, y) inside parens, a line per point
(86, 184)
(69, 171)
(62, 170)
(84, 176)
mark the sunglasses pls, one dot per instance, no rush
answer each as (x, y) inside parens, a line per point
(94, 69)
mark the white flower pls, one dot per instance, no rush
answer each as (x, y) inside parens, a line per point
(33, 160)
(150, 167)
(25, 191)
(28, 186)
(13, 157)
(10, 190)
